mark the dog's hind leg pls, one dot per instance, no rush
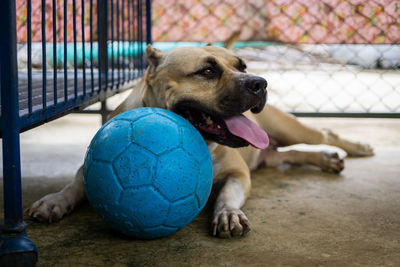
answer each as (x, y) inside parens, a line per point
(53, 207)
(232, 173)
(288, 130)
(327, 161)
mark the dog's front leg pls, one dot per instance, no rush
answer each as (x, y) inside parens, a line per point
(228, 219)
(230, 170)
(53, 207)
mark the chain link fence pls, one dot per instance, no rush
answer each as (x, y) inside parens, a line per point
(332, 57)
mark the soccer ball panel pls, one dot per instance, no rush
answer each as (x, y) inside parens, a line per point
(203, 189)
(168, 115)
(176, 175)
(194, 143)
(156, 133)
(133, 115)
(97, 174)
(183, 212)
(108, 140)
(118, 218)
(147, 205)
(135, 166)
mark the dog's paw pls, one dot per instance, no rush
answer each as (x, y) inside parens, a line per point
(331, 162)
(353, 149)
(50, 208)
(230, 223)
(359, 150)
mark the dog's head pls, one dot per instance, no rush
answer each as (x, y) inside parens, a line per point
(208, 86)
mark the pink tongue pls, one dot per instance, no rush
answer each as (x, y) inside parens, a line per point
(247, 130)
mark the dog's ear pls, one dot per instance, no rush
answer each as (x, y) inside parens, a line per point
(232, 40)
(153, 55)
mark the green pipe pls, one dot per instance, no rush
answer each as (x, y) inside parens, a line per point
(124, 49)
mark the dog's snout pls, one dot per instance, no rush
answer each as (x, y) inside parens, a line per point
(256, 85)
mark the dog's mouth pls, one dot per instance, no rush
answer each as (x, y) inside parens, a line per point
(233, 131)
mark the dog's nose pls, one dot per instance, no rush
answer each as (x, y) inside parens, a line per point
(256, 85)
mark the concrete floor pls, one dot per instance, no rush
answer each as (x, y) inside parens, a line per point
(299, 216)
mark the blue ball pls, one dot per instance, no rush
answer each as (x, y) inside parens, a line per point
(148, 172)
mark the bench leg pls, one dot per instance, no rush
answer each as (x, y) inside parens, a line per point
(104, 112)
(15, 248)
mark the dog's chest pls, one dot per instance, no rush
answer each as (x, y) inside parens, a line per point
(253, 157)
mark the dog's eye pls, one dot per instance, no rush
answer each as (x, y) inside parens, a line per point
(242, 67)
(208, 72)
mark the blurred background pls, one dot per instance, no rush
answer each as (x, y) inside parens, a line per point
(321, 58)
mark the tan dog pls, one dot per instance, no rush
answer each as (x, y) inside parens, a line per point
(210, 87)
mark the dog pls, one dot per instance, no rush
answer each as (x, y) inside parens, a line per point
(210, 87)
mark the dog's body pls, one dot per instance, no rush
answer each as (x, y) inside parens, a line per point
(209, 86)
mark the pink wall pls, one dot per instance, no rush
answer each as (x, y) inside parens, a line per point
(296, 21)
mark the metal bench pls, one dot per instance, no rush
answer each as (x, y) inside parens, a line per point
(31, 97)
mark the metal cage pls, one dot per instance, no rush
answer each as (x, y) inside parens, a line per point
(101, 55)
